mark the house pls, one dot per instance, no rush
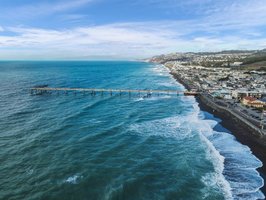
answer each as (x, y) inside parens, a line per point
(252, 102)
(247, 100)
(239, 94)
(257, 104)
(236, 64)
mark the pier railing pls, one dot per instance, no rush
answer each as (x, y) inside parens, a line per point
(94, 91)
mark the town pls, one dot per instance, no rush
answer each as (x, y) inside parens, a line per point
(225, 78)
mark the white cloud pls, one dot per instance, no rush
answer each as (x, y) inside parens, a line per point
(226, 27)
(117, 39)
(129, 40)
(32, 10)
(66, 5)
(1, 29)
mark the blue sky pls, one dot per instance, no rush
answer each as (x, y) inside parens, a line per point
(127, 29)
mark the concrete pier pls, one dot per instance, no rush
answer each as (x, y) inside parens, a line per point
(94, 91)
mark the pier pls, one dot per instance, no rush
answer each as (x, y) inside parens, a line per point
(94, 91)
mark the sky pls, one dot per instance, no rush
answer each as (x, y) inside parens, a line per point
(127, 29)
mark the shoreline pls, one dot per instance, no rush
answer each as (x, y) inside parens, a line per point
(243, 136)
(238, 129)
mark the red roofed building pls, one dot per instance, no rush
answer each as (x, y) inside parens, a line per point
(253, 102)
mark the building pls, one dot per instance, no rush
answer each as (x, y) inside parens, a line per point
(238, 94)
(252, 102)
(247, 100)
(257, 104)
(236, 64)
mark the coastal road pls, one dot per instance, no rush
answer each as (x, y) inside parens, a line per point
(239, 110)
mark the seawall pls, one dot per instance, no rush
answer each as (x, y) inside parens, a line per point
(243, 133)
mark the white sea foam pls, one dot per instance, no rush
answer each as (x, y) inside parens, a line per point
(167, 127)
(241, 158)
(177, 127)
(167, 84)
(29, 171)
(240, 161)
(153, 98)
(218, 162)
(160, 70)
(73, 179)
(238, 155)
(205, 129)
(163, 71)
(95, 121)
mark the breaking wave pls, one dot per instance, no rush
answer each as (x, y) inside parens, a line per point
(235, 165)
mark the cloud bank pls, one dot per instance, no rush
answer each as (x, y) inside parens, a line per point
(223, 26)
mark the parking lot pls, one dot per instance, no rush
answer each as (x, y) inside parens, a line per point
(247, 112)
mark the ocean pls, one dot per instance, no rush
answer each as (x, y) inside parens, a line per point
(79, 146)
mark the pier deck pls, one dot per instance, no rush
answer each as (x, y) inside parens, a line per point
(41, 90)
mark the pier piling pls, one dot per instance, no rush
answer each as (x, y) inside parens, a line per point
(93, 91)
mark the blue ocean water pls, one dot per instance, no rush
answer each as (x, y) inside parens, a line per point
(78, 146)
